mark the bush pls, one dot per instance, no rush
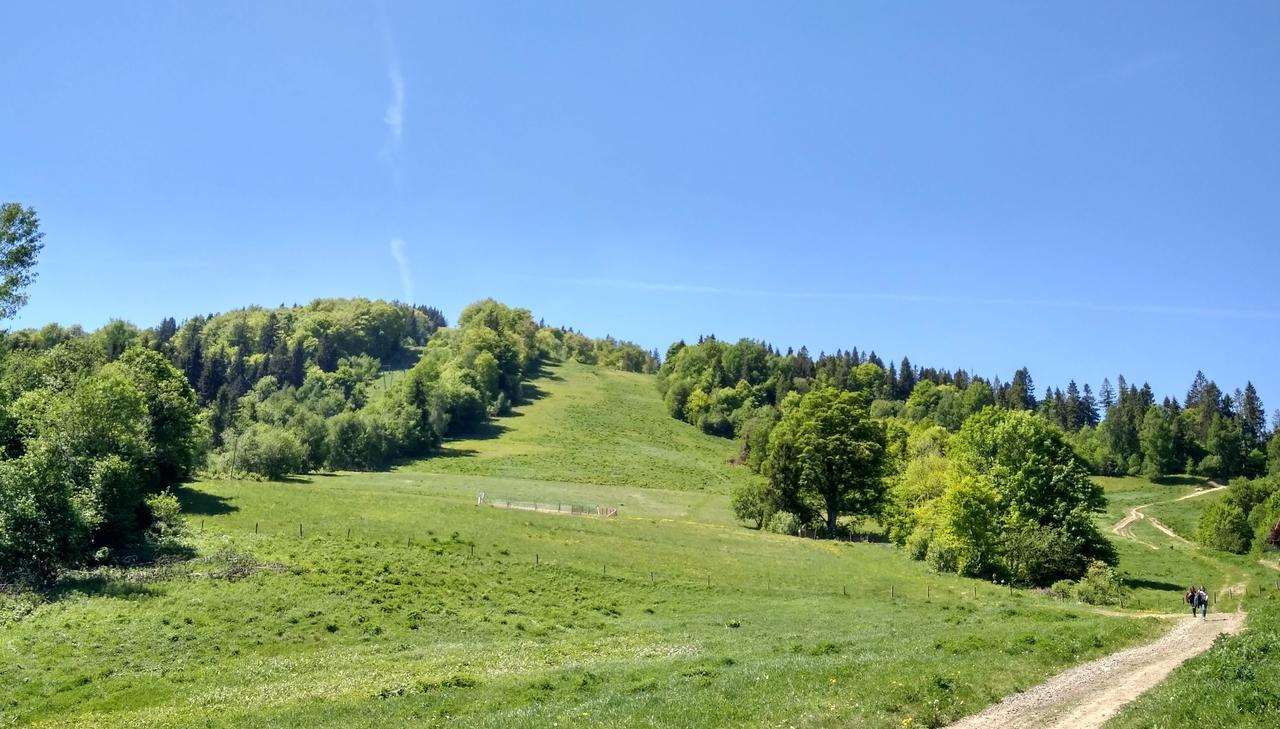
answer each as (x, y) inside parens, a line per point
(1063, 588)
(270, 452)
(1101, 585)
(1035, 555)
(918, 544)
(784, 522)
(167, 522)
(1224, 526)
(753, 502)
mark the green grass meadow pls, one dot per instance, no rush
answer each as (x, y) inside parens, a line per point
(402, 601)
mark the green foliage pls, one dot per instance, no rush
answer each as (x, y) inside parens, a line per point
(1248, 508)
(269, 451)
(923, 481)
(20, 238)
(784, 522)
(1100, 585)
(826, 455)
(86, 448)
(167, 522)
(1159, 443)
(755, 502)
(1010, 500)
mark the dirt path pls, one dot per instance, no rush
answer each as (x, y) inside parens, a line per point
(1088, 695)
(1197, 494)
(1124, 527)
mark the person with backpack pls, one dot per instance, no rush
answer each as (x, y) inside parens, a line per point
(1190, 599)
(1202, 599)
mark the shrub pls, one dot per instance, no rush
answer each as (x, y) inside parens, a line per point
(1101, 585)
(167, 522)
(754, 502)
(1036, 555)
(1063, 588)
(271, 452)
(784, 522)
(918, 544)
(1223, 526)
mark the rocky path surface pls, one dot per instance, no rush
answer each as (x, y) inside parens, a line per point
(1089, 694)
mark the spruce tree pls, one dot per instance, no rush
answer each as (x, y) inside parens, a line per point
(1253, 416)
(1088, 408)
(906, 379)
(1075, 408)
(1106, 396)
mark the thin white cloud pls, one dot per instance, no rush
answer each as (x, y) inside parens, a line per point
(394, 116)
(1122, 308)
(402, 262)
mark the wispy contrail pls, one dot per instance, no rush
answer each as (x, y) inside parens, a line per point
(394, 116)
(1123, 308)
(402, 261)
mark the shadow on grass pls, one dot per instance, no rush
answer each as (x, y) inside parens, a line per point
(485, 431)
(98, 585)
(1180, 481)
(544, 373)
(446, 452)
(1152, 584)
(531, 393)
(205, 504)
(129, 573)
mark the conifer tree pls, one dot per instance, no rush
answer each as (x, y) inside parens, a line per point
(1253, 416)
(1088, 408)
(1106, 396)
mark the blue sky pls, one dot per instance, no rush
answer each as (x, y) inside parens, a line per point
(1082, 188)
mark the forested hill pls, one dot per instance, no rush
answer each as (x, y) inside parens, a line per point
(737, 390)
(96, 426)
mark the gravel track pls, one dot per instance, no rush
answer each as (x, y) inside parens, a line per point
(1089, 694)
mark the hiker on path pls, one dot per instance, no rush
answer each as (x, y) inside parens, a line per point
(1202, 599)
(1190, 599)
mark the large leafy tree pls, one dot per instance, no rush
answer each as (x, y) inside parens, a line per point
(20, 238)
(1042, 492)
(827, 454)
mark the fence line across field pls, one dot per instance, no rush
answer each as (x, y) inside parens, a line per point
(558, 507)
(624, 571)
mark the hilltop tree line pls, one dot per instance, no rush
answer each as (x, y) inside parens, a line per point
(735, 391)
(97, 426)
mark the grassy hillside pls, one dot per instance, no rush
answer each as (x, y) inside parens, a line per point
(581, 621)
(392, 598)
(596, 426)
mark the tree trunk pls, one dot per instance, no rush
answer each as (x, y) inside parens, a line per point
(831, 521)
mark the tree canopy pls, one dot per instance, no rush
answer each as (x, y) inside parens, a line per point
(827, 455)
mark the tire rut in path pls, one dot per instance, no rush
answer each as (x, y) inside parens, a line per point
(1089, 694)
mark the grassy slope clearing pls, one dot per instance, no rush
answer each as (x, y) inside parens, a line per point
(669, 615)
(596, 426)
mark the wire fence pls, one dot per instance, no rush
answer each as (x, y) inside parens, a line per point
(908, 590)
(557, 507)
